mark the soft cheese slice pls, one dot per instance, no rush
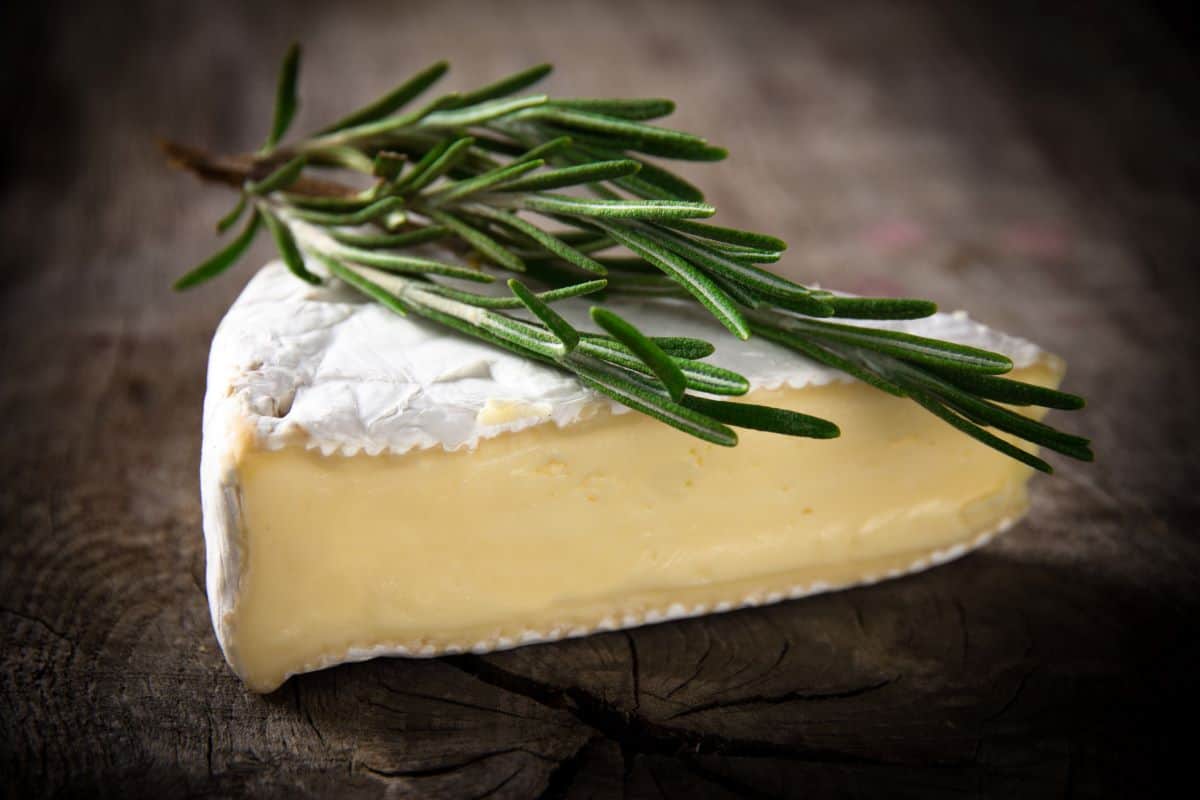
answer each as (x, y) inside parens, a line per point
(373, 486)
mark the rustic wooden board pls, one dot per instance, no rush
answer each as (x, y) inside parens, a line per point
(1039, 169)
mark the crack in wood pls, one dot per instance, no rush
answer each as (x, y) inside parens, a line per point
(447, 769)
(788, 697)
(699, 665)
(634, 733)
(634, 671)
(559, 781)
(450, 701)
(783, 651)
(1012, 700)
(303, 710)
(858, 617)
(36, 620)
(501, 784)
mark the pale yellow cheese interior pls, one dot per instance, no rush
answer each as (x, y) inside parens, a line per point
(555, 531)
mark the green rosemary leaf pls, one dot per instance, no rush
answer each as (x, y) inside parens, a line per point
(1013, 392)
(429, 169)
(880, 307)
(628, 134)
(506, 86)
(699, 376)
(743, 294)
(665, 369)
(633, 209)
(728, 235)
(391, 127)
(429, 233)
(608, 125)
(996, 416)
(481, 112)
(394, 262)
(693, 280)
(436, 314)
(633, 109)
(341, 156)
(1020, 426)
(684, 346)
(496, 179)
(493, 302)
(679, 150)
(828, 357)
(427, 160)
(223, 259)
(764, 418)
(748, 255)
(321, 203)
(645, 190)
(281, 178)
(388, 164)
(651, 181)
(575, 290)
(393, 100)
(472, 298)
(640, 398)
(361, 217)
(812, 305)
(713, 379)
(522, 334)
(755, 257)
(287, 247)
(484, 244)
(285, 98)
(634, 264)
(979, 434)
(364, 285)
(508, 237)
(562, 329)
(478, 332)
(494, 144)
(647, 285)
(229, 220)
(906, 346)
(573, 176)
(585, 241)
(654, 181)
(603, 192)
(758, 280)
(551, 243)
(546, 149)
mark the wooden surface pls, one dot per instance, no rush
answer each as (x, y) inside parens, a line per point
(1039, 169)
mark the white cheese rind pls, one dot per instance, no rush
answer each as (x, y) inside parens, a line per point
(319, 367)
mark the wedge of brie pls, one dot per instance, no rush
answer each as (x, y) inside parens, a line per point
(374, 485)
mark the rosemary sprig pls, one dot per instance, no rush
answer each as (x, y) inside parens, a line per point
(487, 172)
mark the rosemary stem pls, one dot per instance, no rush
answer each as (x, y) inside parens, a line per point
(235, 170)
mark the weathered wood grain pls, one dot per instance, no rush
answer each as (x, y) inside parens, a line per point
(1037, 168)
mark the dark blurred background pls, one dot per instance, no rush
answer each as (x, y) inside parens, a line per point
(1034, 163)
